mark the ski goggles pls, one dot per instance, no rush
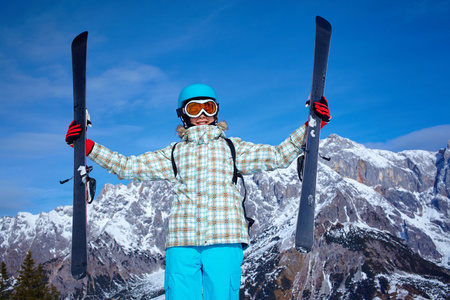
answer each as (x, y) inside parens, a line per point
(195, 108)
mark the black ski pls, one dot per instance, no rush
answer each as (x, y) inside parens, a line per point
(304, 237)
(79, 243)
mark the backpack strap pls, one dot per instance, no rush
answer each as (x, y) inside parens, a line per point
(233, 155)
(174, 165)
(237, 174)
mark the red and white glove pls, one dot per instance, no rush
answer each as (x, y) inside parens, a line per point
(73, 133)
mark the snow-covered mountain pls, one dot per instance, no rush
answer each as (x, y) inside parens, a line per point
(382, 231)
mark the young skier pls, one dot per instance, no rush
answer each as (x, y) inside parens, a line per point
(207, 225)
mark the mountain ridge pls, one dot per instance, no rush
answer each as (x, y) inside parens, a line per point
(381, 230)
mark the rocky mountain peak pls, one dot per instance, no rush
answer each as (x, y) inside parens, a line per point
(382, 230)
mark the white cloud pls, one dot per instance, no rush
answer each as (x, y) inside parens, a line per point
(431, 139)
(130, 85)
(23, 88)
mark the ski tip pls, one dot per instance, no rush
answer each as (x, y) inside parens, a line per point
(321, 22)
(82, 35)
(81, 38)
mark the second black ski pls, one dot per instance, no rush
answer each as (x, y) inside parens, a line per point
(304, 237)
(79, 241)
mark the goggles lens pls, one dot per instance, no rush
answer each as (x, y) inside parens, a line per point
(196, 107)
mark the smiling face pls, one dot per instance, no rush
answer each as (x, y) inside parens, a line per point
(202, 120)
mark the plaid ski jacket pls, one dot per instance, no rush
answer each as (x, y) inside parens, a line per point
(207, 209)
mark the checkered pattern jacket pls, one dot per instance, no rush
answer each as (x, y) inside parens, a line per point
(207, 209)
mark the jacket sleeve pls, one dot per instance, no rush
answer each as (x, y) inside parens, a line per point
(252, 158)
(155, 165)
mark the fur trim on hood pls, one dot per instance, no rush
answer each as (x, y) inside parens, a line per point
(181, 130)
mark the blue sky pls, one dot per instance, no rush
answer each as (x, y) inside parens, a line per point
(387, 80)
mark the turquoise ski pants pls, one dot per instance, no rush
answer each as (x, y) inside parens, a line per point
(207, 272)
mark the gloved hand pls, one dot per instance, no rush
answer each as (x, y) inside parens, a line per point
(74, 133)
(321, 110)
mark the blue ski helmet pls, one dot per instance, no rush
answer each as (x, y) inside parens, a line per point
(196, 90)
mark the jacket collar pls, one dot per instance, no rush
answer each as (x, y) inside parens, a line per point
(202, 134)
